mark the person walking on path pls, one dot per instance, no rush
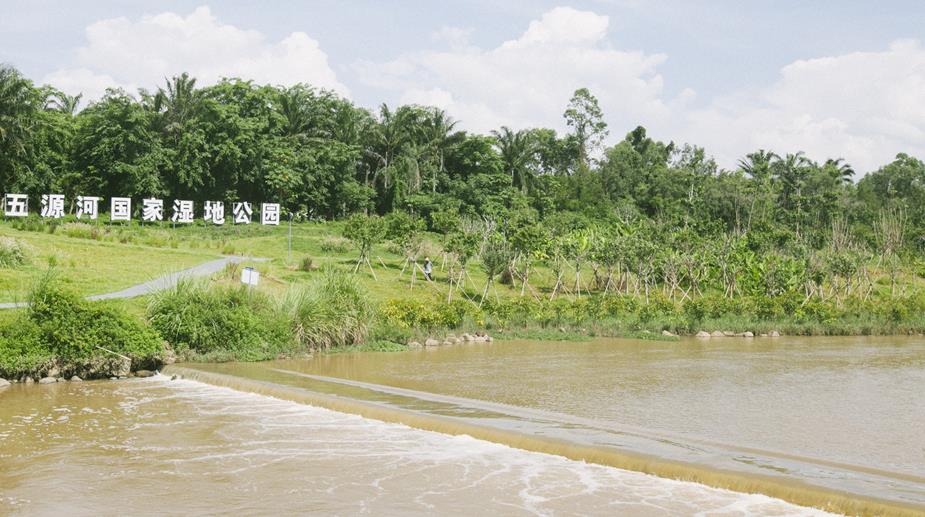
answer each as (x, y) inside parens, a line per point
(428, 269)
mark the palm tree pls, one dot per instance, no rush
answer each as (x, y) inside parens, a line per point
(758, 164)
(293, 105)
(63, 103)
(179, 102)
(839, 169)
(19, 102)
(440, 136)
(517, 150)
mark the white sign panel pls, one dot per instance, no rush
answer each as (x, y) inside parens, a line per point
(152, 210)
(88, 206)
(16, 205)
(250, 276)
(269, 213)
(214, 211)
(52, 206)
(242, 212)
(120, 209)
(182, 211)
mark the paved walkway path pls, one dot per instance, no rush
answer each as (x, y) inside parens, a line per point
(161, 283)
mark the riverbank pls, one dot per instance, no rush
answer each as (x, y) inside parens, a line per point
(315, 299)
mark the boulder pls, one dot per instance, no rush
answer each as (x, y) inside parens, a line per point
(414, 344)
(467, 337)
(764, 334)
(61, 379)
(4, 383)
(447, 343)
(775, 333)
(52, 372)
(431, 342)
(28, 380)
(76, 379)
(748, 333)
(729, 333)
(667, 333)
(489, 339)
(47, 380)
(703, 334)
(717, 333)
(144, 373)
(480, 339)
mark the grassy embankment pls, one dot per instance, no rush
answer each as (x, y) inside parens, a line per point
(313, 300)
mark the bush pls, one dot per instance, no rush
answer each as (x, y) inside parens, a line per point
(335, 245)
(83, 231)
(14, 253)
(63, 330)
(307, 264)
(231, 323)
(332, 311)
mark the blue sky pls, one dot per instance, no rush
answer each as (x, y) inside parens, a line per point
(832, 78)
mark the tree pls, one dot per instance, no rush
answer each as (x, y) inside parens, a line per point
(517, 150)
(19, 107)
(586, 119)
(496, 256)
(365, 232)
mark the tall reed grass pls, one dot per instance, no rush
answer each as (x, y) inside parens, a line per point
(234, 323)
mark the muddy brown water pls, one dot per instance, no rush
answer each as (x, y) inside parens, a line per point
(832, 422)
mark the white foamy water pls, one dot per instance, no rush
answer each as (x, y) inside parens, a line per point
(182, 447)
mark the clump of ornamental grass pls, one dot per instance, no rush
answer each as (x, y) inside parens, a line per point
(332, 311)
(14, 253)
(233, 323)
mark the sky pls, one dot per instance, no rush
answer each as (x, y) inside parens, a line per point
(832, 78)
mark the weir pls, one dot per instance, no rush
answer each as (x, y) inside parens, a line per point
(582, 439)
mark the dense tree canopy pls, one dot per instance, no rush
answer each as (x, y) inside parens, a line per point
(322, 156)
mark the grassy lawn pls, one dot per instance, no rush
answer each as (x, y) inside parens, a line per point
(89, 266)
(125, 256)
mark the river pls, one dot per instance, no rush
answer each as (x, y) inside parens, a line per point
(831, 422)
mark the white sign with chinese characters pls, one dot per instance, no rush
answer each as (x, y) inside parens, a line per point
(16, 205)
(88, 206)
(152, 210)
(182, 211)
(120, 209)
(269, 213)
(242, 212)
(215, 212)
(52, 206)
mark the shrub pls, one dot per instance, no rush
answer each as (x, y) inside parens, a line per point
(332, 311)
(409, 314)
(307, 264)
(14, 253)
(83, 231)
(335, 245)
(60, 328)
(232, 322)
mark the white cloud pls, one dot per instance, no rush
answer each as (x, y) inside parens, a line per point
(527, 81)
(133, 53)
(863, 106)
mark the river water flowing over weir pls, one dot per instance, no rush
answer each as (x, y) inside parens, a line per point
(832, 423)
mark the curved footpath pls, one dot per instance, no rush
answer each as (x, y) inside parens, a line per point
(160, 283)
